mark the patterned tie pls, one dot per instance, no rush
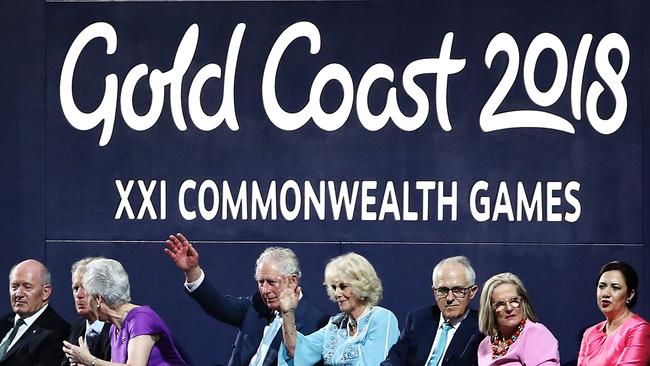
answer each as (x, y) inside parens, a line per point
(440, 347)
(5, 346)
(91, 338)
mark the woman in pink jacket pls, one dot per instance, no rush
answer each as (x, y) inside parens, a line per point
(623, 338)
(514, 337)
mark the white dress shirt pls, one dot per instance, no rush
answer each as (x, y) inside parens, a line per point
(23, 328)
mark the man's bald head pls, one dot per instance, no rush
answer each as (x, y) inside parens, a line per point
(29, 287)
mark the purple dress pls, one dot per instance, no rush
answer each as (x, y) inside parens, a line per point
(140, 321)
(535, 346)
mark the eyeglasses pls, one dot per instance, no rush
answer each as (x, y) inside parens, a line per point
(514, 302)
(458, 291)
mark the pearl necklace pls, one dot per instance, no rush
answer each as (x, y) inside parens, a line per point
(501, 346)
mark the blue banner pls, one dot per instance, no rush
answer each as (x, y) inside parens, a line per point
(348, 121)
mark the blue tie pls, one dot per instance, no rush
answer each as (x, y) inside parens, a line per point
(267, 339)
(91, 338)
(440, 347)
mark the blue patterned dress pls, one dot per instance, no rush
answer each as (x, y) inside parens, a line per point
(377, 331)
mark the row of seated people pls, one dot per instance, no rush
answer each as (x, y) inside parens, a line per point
(279, 325)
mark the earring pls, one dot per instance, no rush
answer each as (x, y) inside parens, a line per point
(98, 306)
(627, 301)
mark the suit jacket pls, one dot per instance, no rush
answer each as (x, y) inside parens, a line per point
(251, 315)
(417, 337)
(100, 349)
(40, 345)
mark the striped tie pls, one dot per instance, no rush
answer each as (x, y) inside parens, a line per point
(5, 346)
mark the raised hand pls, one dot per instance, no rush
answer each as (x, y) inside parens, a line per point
(184, 256)
(78, 355)
(290, 294)
(289, 297)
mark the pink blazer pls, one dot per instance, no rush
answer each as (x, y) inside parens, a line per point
(629, 345)
(535, 346)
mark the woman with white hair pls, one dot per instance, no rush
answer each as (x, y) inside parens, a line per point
(362, 334)
(138, 336)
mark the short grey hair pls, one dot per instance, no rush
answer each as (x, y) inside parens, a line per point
(46, 276)
(81, 264)
(487, 322)
(284, 258)
(462, 260)
(356, 271)
(107, 277)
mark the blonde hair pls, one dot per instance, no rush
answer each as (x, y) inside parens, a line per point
(356, 271)
(81, 264)
(486, 320)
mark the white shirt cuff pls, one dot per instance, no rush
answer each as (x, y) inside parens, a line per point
(191, 286)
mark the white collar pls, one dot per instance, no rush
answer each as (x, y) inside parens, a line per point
(454, 323)
(32, 318)
(365, 312)
(97, 326)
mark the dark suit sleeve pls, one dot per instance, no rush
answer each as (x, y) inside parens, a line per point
(398, 353)
(77, 327)
(103, 346)
(463, 349)
(320, 317)
(51, 350)
(310, 317)
(64, 361)
(227, 309)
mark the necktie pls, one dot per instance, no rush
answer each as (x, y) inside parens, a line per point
(440, 347)
(267, 339)
(91, 338)
(5, 346)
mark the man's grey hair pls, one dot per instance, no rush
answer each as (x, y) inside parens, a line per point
(46, 276)
(81, 264)
(284, 258)
(462, 260)
(107, 277)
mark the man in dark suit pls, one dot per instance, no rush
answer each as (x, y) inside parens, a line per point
(93, 331)
(446, 333)
(257, 316)
(33, 334)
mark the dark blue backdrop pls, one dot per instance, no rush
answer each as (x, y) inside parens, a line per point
(59, 196)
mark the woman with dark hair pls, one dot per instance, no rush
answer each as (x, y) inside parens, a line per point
(623, 338)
